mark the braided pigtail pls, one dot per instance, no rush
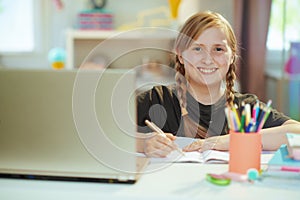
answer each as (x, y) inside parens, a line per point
(181, 83)
(230, 78)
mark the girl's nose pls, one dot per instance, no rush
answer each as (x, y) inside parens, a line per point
(206, 58)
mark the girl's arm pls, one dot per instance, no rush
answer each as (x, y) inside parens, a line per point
(272, 138)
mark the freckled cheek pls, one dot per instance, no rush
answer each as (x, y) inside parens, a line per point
(222, 60)
(191, 59)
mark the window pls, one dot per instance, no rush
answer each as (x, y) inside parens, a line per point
(17, 26)
(284, 24)
(283, 29)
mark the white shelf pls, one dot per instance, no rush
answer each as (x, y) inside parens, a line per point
(80, 43)
(279, 75)
(149, 33)
(90, 34)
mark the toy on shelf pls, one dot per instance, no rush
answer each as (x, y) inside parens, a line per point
(292, 66)
(98, 4)
(58, 4)
(57, 58)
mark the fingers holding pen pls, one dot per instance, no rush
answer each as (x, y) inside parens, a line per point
(158, 145)
(161, 144)
(171, 137)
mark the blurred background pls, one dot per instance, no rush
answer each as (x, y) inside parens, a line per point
(92, 34)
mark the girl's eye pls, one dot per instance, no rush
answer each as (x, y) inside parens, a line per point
(197, 48)
(219, 49)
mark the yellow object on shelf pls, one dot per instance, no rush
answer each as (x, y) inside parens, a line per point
(174, 5)
(58, 65)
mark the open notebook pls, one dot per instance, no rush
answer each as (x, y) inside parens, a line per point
(209, 156)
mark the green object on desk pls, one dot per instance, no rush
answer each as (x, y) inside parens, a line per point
(218, 179)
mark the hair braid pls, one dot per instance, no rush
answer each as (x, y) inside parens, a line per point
(181, 83)
(230, 78)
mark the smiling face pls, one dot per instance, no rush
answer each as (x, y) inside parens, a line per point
(207, 59)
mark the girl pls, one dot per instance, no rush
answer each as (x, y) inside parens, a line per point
(206, 55)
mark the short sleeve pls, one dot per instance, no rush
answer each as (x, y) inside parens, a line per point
(160, 106)
(275, 118)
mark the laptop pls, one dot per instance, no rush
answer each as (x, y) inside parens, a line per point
(73, 125)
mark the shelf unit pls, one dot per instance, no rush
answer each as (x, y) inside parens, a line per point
(119, 49)
(285, 92)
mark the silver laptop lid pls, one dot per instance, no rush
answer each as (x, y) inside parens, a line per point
(73, 125)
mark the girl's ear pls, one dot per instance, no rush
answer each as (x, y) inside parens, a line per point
(180, 59)
(179, 55)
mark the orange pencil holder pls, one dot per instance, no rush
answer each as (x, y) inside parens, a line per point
(244, 151)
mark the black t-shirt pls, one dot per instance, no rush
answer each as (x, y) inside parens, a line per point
(160, 105)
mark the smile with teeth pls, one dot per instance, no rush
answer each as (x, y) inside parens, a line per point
(207, 70)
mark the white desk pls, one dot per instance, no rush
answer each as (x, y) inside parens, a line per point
(176, 181)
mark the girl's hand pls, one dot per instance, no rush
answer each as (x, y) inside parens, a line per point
(194, 146)
(220, 143)
(156, 145)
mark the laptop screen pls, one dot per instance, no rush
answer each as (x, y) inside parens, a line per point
(68, 125)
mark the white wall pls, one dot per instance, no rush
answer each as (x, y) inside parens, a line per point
(52, 23)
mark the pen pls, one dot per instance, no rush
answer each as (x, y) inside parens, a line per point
(241, 129)
(159, 131)
(247, 114)
(229, 121)
(264, 116)
(286, 169)
(269, 103)
(154, 127)
(250, 126)
(254, 116)
(236, 116)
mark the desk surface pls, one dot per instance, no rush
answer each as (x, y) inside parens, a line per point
(174, 181)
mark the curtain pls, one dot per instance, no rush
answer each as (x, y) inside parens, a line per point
(251, 23)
